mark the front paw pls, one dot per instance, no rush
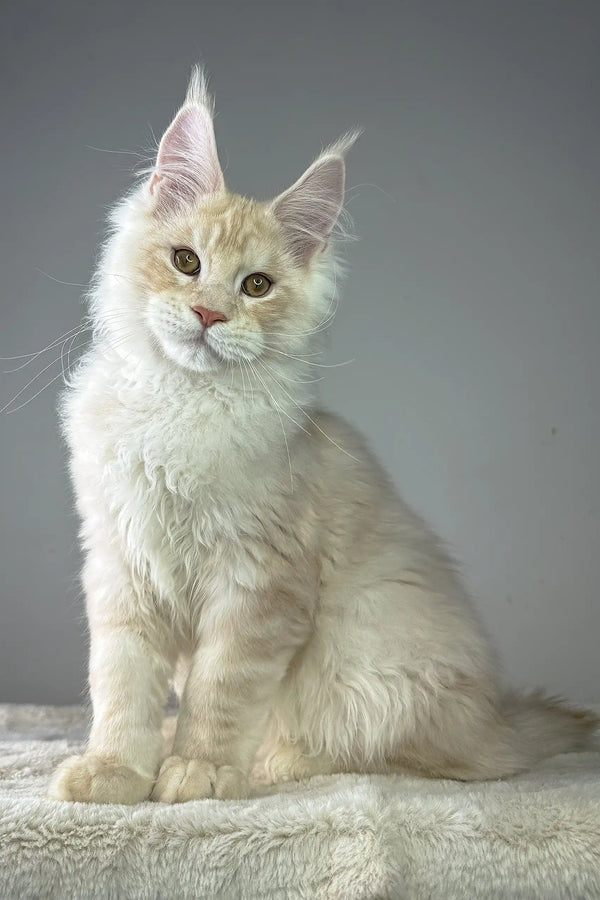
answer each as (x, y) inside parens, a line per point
(180, 780)
(92, 779)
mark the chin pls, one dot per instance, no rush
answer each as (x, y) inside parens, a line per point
(191, 355)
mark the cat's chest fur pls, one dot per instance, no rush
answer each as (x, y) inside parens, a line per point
(187, 481)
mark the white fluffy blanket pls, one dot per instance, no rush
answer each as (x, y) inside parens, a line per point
(341, 838)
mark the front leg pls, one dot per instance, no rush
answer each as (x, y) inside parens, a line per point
(128, 682)
(129, 669)
(235, 672)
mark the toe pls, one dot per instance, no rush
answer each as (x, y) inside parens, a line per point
(91, 779)
(72, 780)
(181, 780)
(171, 775)
(198, 782)
(231, 783)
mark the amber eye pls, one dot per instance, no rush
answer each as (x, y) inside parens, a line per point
(186, 261)
(256, 285)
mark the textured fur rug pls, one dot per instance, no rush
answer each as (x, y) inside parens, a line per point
(341, 838)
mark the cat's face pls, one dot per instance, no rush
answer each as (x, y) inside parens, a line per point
(220, 280)
(221, 285)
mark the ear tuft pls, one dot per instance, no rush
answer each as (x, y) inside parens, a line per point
(197, 92)
(310, 208)
(344, 143)
(187, 164)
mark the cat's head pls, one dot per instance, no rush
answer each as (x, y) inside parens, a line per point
(210, 278)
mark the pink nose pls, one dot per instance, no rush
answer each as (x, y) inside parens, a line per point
(209, 316)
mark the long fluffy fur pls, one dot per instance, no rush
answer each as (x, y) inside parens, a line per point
(248, 545)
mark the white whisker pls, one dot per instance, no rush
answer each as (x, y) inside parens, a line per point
(31, 357)
(58, 281)
(287, 447)
(301, 380)
(308, 362)
(303, 411)
(243, 381)
(35, 378)
(291, 418)
(125, 152)
(37, 393)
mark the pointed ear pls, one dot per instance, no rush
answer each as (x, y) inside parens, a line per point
(187, 164)
(309, 210)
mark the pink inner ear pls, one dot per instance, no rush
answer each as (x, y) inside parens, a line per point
(309, 209)
(154, 182)
(187, 164)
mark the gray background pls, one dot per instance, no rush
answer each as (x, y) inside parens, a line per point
(471, 303)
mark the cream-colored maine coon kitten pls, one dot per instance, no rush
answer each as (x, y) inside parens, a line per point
(240, 542)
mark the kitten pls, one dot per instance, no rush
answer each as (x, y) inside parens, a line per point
(241, 541)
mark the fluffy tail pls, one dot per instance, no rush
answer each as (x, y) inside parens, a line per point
(522, 732)
(487, 741)
(543, 726)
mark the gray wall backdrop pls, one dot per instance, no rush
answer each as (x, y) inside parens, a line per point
(471, 304)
